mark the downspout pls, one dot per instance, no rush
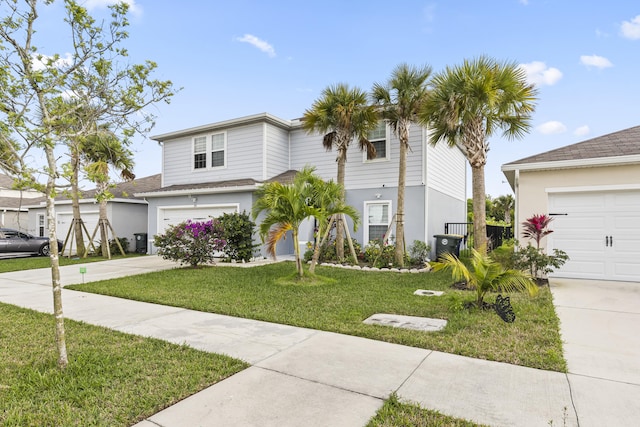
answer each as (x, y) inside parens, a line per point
(264, 151)
(425, 183)
(516, 213)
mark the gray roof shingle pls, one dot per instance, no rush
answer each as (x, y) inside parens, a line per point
(621, 143)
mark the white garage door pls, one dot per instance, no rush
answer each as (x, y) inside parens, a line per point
(600, 231)
(90, 220)
(171, 216)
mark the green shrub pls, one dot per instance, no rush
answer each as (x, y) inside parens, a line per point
(504, 254)
(538, 263)
(238, 233)
(419, 253)
(378, 255)
(191, 242)
(328, 251)
(113, 247)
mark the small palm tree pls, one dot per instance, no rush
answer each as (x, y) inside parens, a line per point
(288, 205)
(484, 274)
(400, 100)
(342, 114)
(467, 105)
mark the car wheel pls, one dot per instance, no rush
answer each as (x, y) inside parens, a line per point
(44, 250)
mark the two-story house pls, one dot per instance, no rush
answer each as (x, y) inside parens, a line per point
(216, 168)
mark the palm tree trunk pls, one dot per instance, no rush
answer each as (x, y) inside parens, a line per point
(104, 232)
(403, 131)
(75, 207)
(296, 251)
(479, 212)
(61, 343)
(342, 160)
(319, 243)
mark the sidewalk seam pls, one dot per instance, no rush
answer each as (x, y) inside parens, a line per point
(424, 359)
(573, 403)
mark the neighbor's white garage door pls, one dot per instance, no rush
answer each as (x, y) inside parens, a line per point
(90, 220)
(600, 231)
(171, 216)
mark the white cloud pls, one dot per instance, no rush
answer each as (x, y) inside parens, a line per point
(429, 12)
(582, 131)
(552, 127)
(539, 74)
(631, 29)
(524, 2)
(134, 8)
(595, 61)
(260, 44)
(40, 62)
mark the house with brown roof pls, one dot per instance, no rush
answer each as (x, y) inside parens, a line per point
(592, 190)
(127, 213)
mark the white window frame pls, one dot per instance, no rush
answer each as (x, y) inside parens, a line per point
(369, 203)
(208, 152)
(41, 224)
(387, 137)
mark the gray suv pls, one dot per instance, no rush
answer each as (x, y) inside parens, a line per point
(17, 241)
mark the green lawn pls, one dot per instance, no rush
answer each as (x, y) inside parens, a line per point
(347, 297)
(395, 413)
(33, 262)
(113, 379)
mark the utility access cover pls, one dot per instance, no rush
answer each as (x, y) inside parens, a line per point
(407, 322)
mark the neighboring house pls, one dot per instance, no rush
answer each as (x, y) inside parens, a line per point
(127, 213)
(592, 190)
(13, 213)
(216, 168)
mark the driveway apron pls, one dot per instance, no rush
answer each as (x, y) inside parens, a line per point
(599, 324)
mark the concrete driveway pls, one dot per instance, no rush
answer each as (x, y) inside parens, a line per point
(600, 324)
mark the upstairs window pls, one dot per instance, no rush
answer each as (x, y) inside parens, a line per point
(209, 152)
(217, 150)
(200, 152)
(379, 138)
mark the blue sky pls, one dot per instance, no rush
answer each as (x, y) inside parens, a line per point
(242, 57)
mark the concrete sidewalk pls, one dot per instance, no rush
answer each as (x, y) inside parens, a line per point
(313, 378)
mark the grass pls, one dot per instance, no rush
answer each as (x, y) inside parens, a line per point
(113, 379)
(395, 413)
(347, 297)
(33, 262)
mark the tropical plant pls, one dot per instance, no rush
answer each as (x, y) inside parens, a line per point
(288, 205)
(536, 228)
(502, 208)
(537, 262)
(419, 253)
(103, 151)
(238, 233)
(342, 113)
(191, 242)
(470, 103)
(400, 100)
(483, 274)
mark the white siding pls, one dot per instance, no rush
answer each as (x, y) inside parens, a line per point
(277, 151)
(446, 170)
(244, 158)
(308, 149)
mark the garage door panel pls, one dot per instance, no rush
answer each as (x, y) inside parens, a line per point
(591, 220)
(169, 216)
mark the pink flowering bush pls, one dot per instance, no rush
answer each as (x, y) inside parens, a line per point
(191, 242)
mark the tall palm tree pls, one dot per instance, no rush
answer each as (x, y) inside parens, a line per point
(342, 113)
(401, 99)
(104, 151)
(471, 102)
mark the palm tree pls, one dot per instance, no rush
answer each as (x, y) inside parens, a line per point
(400, 100)
(342, 114)
(103, 151)
(467, 105)
(288, 205)
(484, 274)
(327, 200)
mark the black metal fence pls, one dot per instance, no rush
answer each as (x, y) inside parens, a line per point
(495, 233)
